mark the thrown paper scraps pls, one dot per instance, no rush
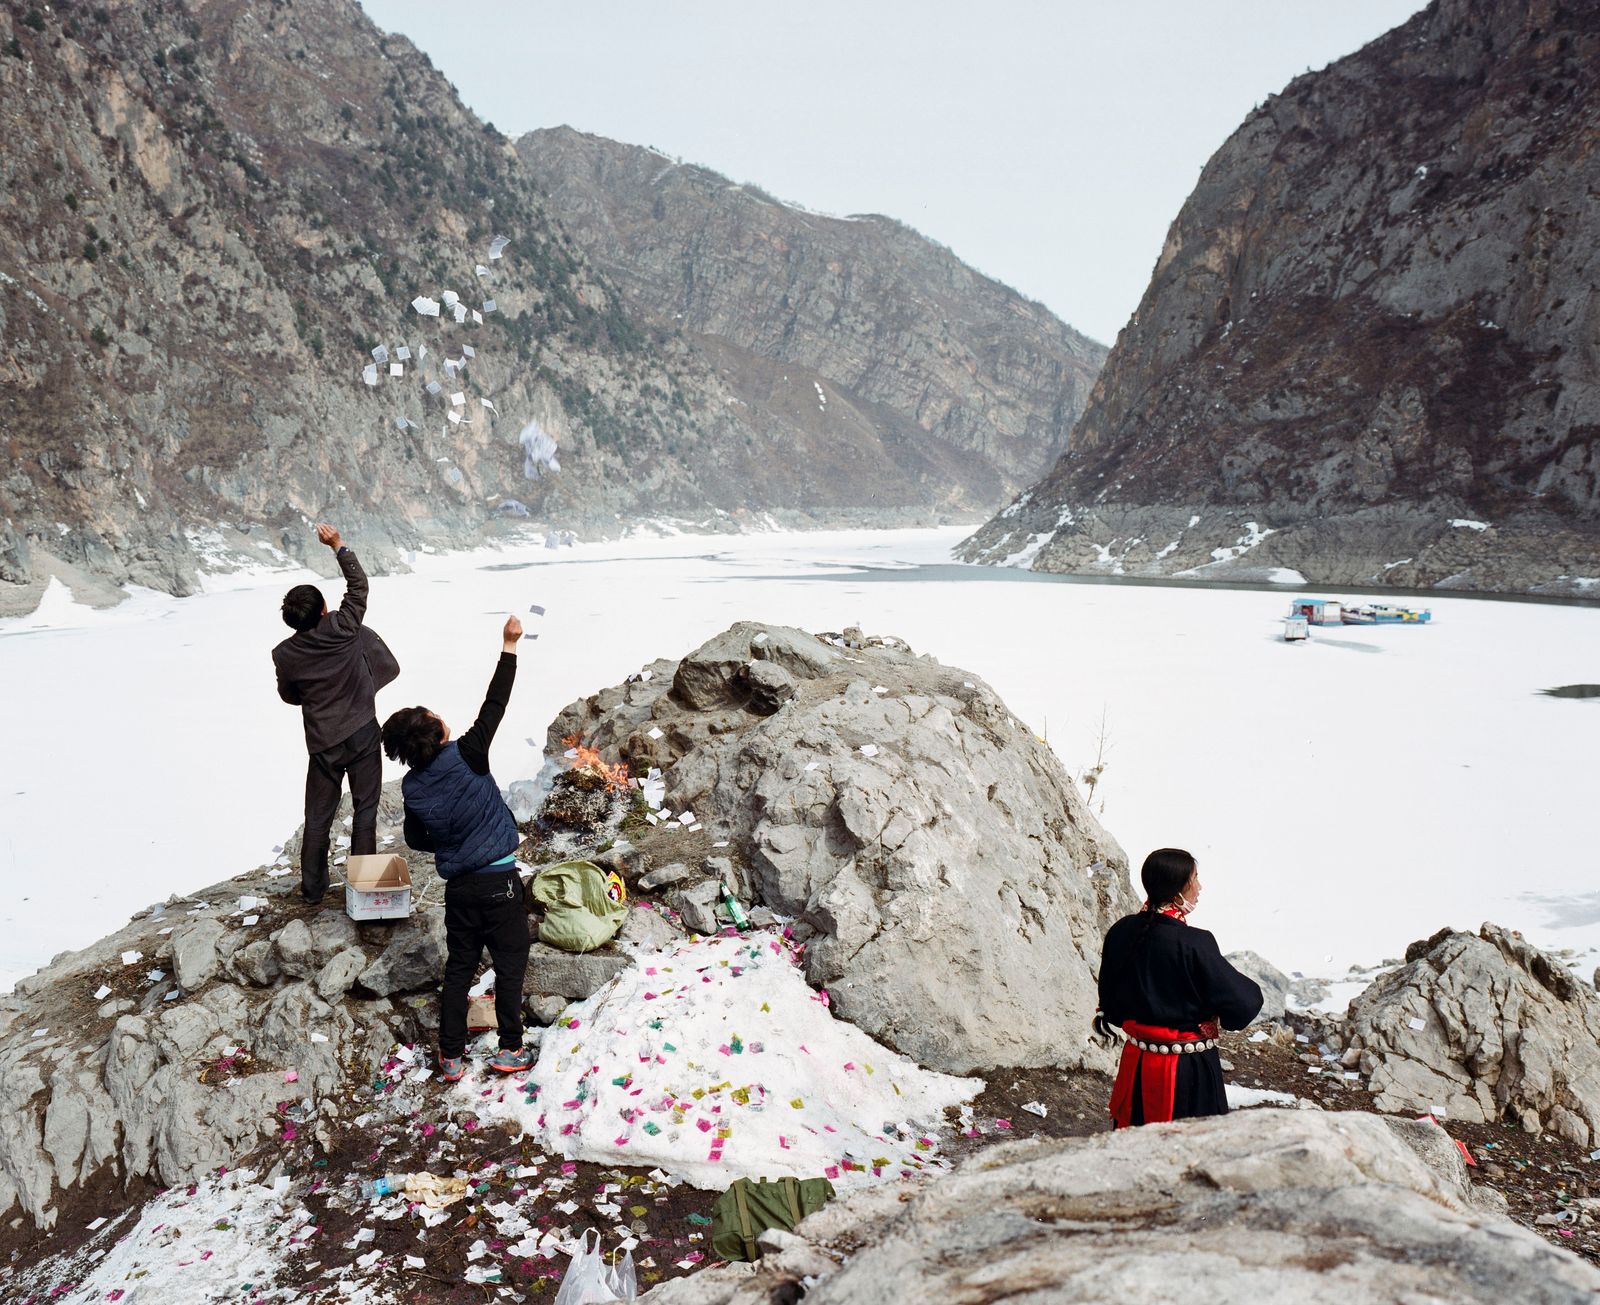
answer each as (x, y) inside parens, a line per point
(130, 958)
(427, 307)
(102, 992)
(869, 749)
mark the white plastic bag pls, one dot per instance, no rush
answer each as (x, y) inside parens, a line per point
(624, 1281)
(590, 1281)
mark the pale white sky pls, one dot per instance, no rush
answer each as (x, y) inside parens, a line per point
(1049, 144)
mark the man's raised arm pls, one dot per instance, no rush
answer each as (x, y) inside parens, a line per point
(354, 608)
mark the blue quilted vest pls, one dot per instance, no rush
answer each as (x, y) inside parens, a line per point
(466, 817)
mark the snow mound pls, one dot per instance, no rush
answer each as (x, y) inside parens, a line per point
(713, 1059)
(222, 1237)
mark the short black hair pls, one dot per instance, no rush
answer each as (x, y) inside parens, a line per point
(413, 737)
(302, 607)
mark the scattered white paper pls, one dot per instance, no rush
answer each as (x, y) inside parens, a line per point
(869, 749)
(427, 307)
(468, 351)
(656, 732)
(102, 992)
(97, 1224)
(319, 1037)
(380, 354)
(369, 374)
(489, 305)
(489, 404)
(397, 369)
(1416, 1023)
(403, 352)
(760, 638)
(460, 313)
(249, 920)
(477, 318)
(457, 399)
(449, 298)
(497, 246)
(454, 417)
(433, 387)
(130, 958)
(812, 765)
(1037, 1108)
(481, 270)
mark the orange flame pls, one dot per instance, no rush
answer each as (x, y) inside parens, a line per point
(588, 759)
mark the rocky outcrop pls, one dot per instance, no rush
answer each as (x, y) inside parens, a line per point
(881, 360)
(938, 851)
(1367, 352)
(1288, 1206)
(1482, 1027)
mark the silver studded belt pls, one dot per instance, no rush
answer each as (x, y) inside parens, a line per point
(1175, 1048)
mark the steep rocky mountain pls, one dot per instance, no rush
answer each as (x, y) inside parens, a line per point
(1370, 350)
(216, 212)
(943, 377)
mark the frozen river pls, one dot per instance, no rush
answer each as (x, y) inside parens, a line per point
(1344, 796)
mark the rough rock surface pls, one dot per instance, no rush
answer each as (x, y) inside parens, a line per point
(1276, 986)
(1504, 1032)
(953, 384)
(167, 1083)
(938, 849)
(1368, 349)
(1291, 1207)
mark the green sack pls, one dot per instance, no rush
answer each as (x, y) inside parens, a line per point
(578, 916)
(746, 1210)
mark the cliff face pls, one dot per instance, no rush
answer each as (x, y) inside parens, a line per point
(1376, 315)
(216, 212)
(949, 380)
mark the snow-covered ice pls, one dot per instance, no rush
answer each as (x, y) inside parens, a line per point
(1345, 796)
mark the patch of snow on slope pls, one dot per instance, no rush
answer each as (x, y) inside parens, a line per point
(713, 1058)
(1461, 523)
(195, 1245)
(1023, 557)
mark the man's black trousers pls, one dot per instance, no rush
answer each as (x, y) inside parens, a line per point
(359, 757)
(486, 909)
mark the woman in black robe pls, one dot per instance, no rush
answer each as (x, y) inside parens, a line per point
(1165, 984)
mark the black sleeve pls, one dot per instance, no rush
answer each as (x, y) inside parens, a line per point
(1113, 955)
(288, 690)
(1234, 998)
(354, 608)
(474, 744)
(417, 836)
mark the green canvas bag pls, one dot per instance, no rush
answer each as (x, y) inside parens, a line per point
(578, 916)
(746, 1210)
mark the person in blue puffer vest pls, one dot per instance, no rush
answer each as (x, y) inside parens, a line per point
(454, 810)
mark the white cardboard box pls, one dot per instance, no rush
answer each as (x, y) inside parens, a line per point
(377, 887)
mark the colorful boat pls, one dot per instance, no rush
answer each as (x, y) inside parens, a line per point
(1385, 614)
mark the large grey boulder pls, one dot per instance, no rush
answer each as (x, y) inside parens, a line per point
(1292, 1207)
(414, 958)
(556, 973)
(194, 952)
(939, 850)
(1483, 1027)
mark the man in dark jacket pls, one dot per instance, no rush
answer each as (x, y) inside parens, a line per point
(454, 810)
(331, 668)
